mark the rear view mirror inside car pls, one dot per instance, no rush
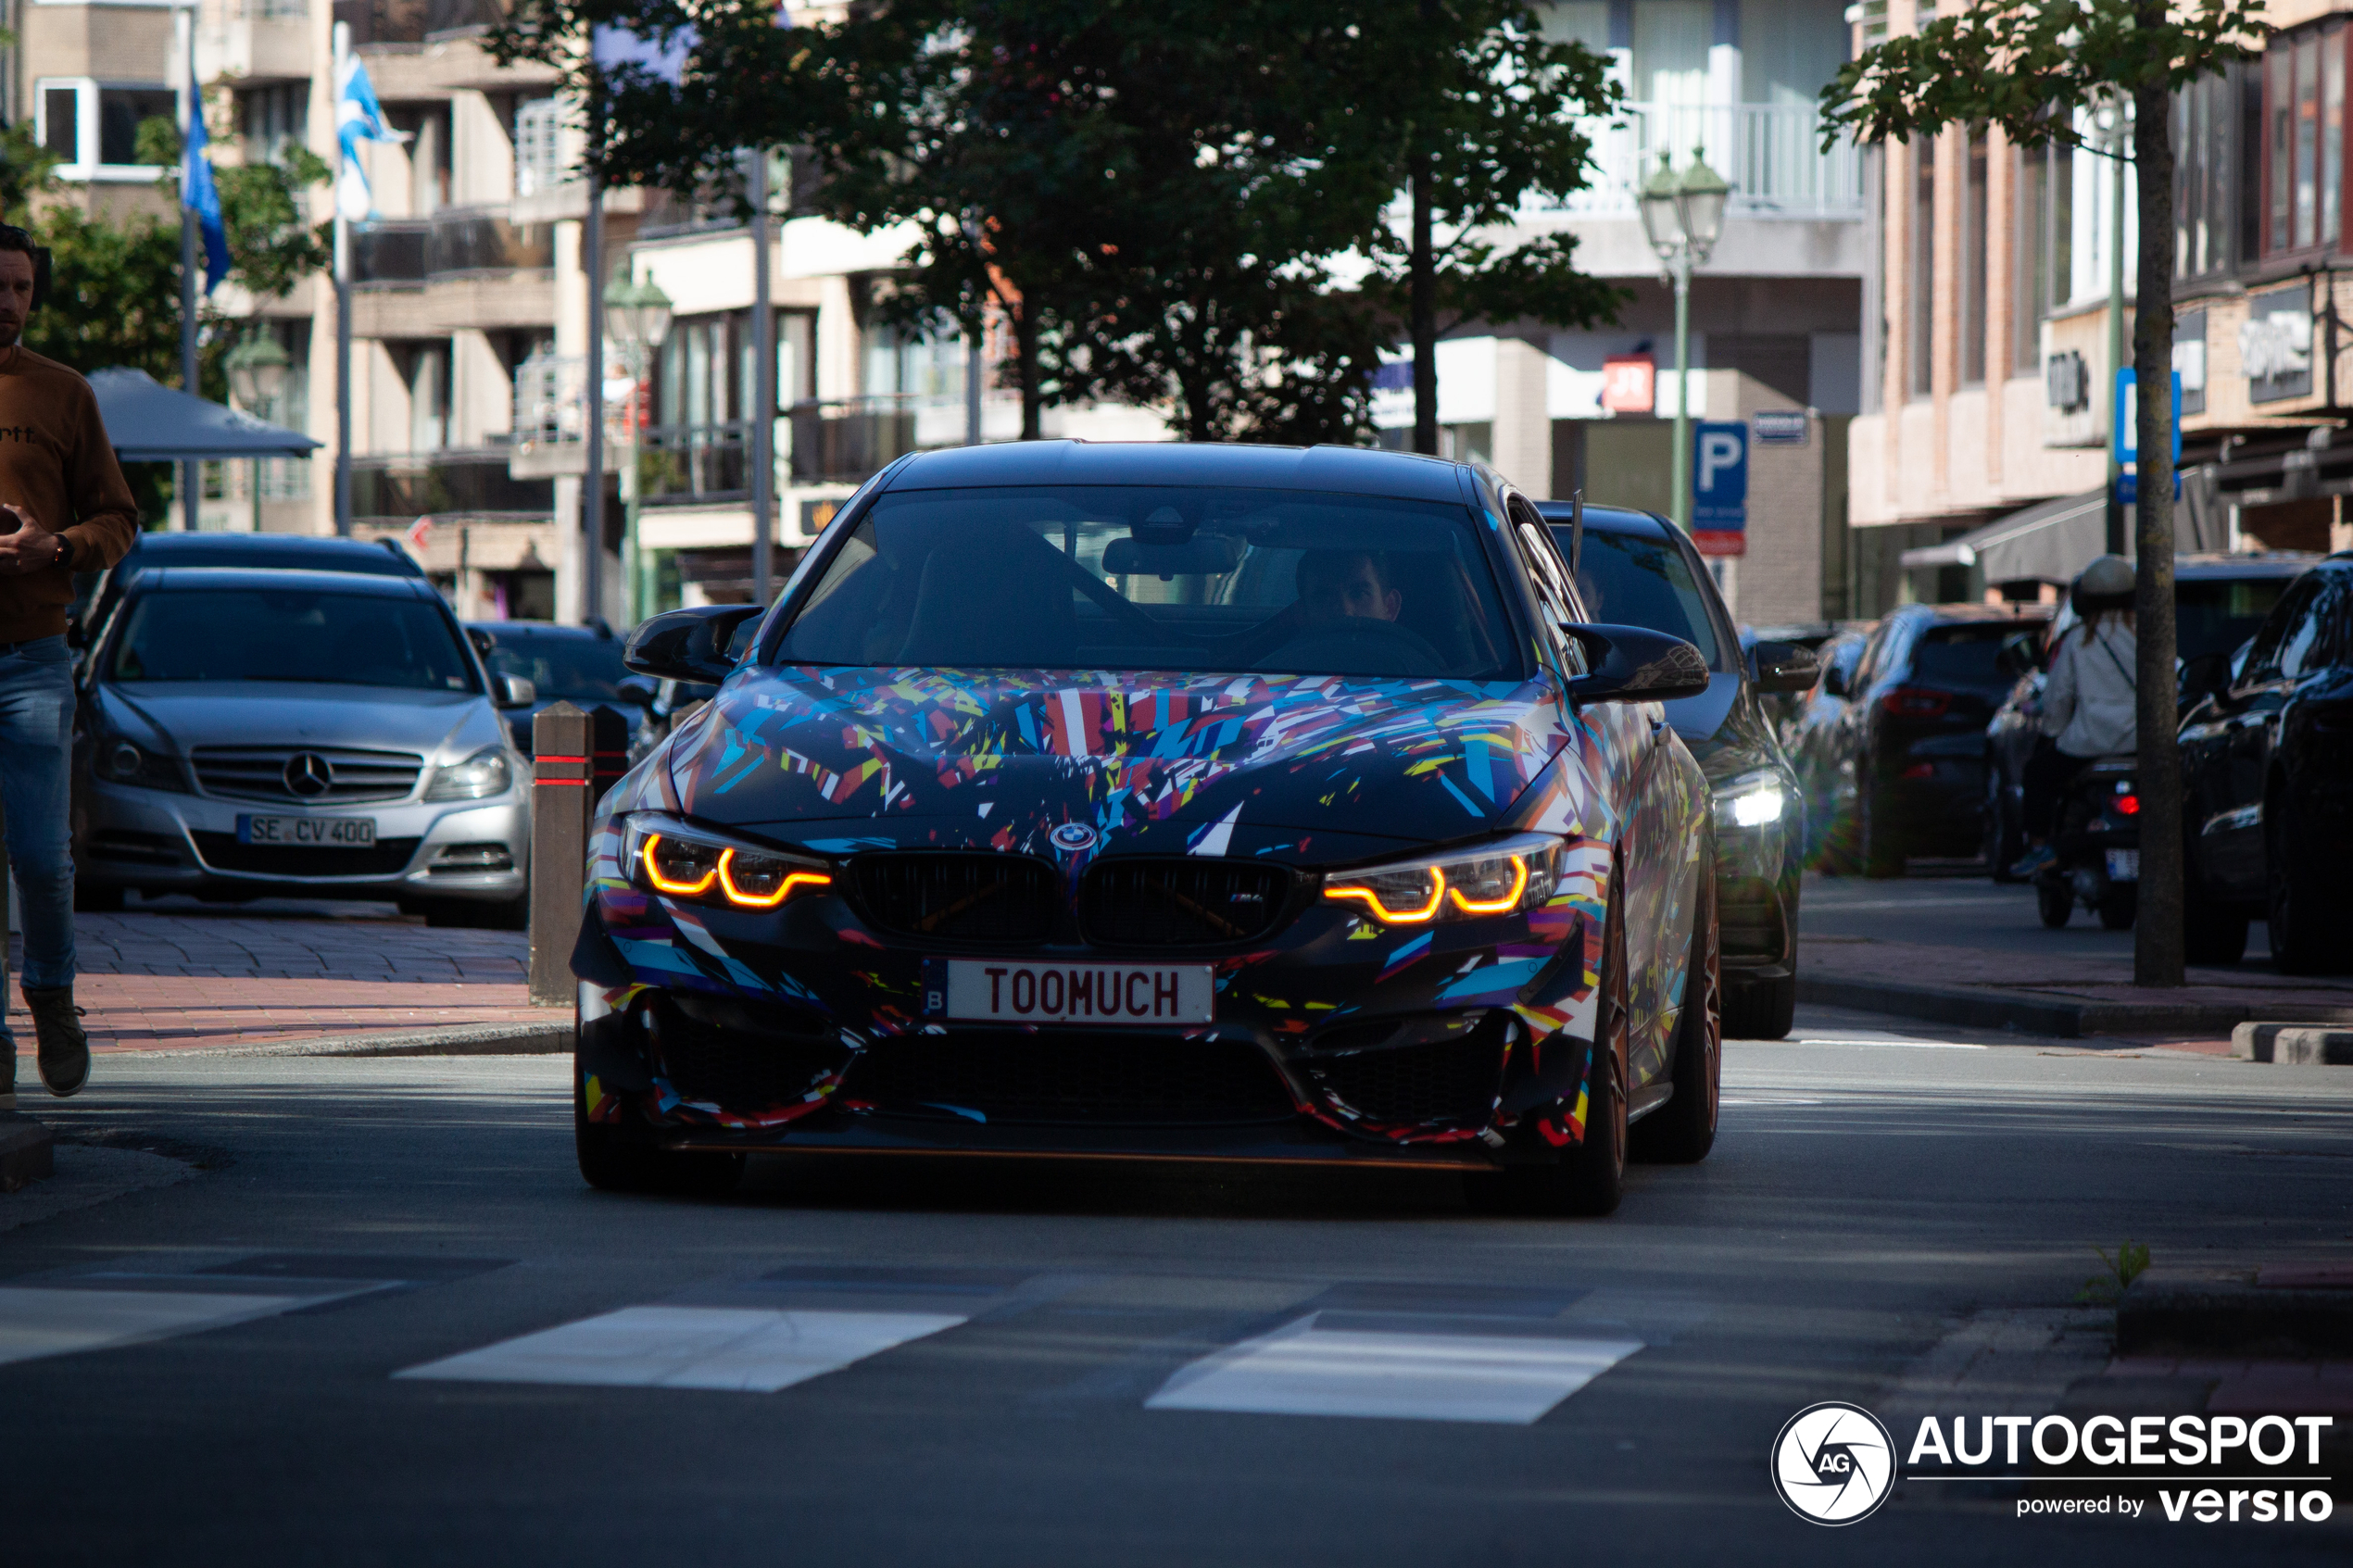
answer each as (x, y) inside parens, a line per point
(1203, 555)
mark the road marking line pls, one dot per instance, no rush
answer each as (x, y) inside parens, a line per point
(737, 1349)
(1909, 1044)
(36, 1322)
(1302, 1370)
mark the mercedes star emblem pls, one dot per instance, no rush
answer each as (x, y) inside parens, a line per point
(309, 775)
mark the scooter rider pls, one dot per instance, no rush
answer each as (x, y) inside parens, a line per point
(2088, 699)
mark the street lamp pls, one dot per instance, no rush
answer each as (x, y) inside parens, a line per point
(1683, 216)
(257, 369)
(637, 316)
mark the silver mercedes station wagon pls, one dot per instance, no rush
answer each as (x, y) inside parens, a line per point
(319, 734)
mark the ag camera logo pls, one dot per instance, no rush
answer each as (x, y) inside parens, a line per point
(1833, 1464)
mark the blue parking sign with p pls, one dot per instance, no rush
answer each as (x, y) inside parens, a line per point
(1719, 487)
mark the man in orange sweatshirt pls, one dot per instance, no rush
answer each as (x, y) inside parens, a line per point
(63, 508)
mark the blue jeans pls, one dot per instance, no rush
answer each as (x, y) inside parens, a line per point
(36, 771)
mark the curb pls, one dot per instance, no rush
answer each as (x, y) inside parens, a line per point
(27, 1151)
(2030, 1012)
(467, 1039)
(2178, 1309)
(2292, 1046)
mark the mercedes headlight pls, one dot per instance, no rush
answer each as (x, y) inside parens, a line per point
(484, 773)
(121, 761)
(678, 861)
(1750, 801)
(1502, 878)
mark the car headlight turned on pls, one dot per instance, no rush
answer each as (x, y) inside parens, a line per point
(678, 861)
(1502, 878)
(484, 773)
(1750, 801)
(121, 761)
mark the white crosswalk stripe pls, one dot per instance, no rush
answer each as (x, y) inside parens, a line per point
(1305, 1368)
(754, 1350)
(40, 1322)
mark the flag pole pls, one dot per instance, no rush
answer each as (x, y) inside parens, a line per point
(191, 470)
(343, 299)
(764, 380)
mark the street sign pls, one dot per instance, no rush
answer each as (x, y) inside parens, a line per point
(1629, 383)
(1781, 427)
(1719, 488)
(2126, 434)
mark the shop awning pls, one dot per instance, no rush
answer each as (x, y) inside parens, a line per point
(149, 422)
(2048, 542)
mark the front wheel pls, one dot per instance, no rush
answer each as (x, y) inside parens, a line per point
(2119, 905)
(2055, 901)
(1591, 1179)
(621, 1156)
(2212, 933)
(1764, 1010)
(2306, 930)
(1683, 1130)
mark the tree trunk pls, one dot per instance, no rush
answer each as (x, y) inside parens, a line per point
(2156, 934)
(1032, 403)
(1422, 307)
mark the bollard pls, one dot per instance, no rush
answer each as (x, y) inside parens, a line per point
(562, 798)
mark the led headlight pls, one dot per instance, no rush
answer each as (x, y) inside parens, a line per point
(1502, 878)
(1750, 801)
(484, 773)
(678, 861)
(121, 761)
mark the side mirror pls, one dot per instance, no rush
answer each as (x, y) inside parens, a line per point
(2204, 676)
(637, 690)
(687, 645)
(513, 691)
(1786, 667)
(485, 644)
(1834, 682)
(1634, 664)
(2019, 656)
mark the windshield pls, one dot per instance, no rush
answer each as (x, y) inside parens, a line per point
(1638, 582)
(1962, 655)
(578, 669)
(1182, 580)
(290, 635)
(2216, 616)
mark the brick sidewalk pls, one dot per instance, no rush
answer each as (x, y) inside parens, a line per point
(155, 981)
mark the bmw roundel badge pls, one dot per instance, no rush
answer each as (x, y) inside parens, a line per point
(1072, 838)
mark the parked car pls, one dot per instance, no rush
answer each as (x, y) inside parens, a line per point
(1209, 801)
(1639, 568)
(1825, 774)
(300, 734)
(1914, 732)
(251, 552)
(2219, 601)
(576, 664)
(2267, 756)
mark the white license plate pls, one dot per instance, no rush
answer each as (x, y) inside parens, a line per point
(995, 991)
(2125, 865)
(320, 832)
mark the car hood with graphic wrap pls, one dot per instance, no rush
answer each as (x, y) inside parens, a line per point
(1303, 769)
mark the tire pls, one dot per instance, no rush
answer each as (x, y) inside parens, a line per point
(1881, 855)
(1683, 1130)
(2307, 932)
(96, 898)
(2055, 901)
(1591, 1179)
(2212, 934)
(621, 1156)
(1762, 1011)
(2119, 905)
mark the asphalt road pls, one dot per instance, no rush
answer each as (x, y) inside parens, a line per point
(1968, 910)
(1015, 1336)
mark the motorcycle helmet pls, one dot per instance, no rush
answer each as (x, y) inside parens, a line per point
(2106, 583)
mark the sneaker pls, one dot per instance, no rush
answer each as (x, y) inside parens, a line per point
(2033, 860)
(65, 1049)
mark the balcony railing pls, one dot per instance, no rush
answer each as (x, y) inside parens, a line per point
(1771, 154)
(411, 250)
(412, 21)
(410, 486)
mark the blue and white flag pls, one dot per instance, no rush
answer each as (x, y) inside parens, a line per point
(201, 196)
(358, 118)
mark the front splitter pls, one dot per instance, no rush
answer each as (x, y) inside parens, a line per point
(1260, 1145)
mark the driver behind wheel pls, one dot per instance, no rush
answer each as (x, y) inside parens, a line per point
(1336, 586)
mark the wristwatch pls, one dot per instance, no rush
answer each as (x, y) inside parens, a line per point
(65, 552)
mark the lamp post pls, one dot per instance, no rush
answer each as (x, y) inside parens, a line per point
(637, 315)
(257, 369)
(1683, 216)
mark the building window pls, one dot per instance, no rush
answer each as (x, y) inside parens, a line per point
(2205, 179)
(2030, 293)
(273, 119)
(1922, 240)
(1972, 272)
(80, 118)
(2304, 140)
(541, 162)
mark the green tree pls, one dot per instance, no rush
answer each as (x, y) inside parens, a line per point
(2033, 68)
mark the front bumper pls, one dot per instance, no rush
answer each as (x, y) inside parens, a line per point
(164, 841)
(1334, 1038)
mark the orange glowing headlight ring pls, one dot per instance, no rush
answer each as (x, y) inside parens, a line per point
(662, 883)
(1502, 906)
(1388, 916)
(794, 881)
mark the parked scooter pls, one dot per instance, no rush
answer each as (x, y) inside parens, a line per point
(2096, 859)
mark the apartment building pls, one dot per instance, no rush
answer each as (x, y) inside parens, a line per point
(1980, 462)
